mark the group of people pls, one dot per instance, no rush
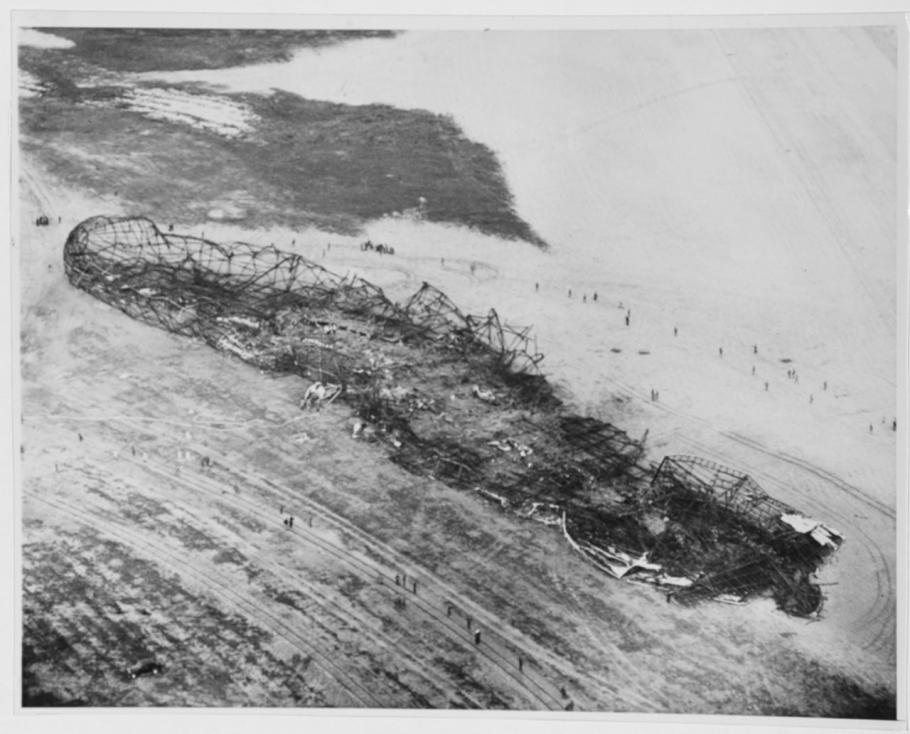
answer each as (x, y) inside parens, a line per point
(400, 604)
(380, 248)
(893, 425)
(288, 520)
(584, 296)
(655, 395)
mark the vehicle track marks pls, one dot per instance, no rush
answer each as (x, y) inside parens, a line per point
(215, 584)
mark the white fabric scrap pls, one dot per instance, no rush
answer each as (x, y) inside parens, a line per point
(818, 532)
(823, 536)
(665, 580)
(729, 599)
(799, 523)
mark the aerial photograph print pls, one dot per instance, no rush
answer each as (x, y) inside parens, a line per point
(529, 369)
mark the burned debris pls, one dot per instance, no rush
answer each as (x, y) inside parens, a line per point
(745, 540)
(460, 398)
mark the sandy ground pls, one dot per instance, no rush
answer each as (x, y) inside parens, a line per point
(774, 259)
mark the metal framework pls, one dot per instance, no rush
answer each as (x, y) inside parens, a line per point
(727, 489)
(271, 308)
(775, 546)
(512, 441)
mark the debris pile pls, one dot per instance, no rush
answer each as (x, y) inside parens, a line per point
(745, 540)
(460, 398)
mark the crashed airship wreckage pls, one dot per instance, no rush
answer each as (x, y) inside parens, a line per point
(460, 398)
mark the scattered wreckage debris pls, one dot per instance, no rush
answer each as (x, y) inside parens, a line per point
(320, 393)
(752, 542)
(460, 398)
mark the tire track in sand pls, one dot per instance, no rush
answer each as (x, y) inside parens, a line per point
(349, 617)
(536, 685)
(874, 622)
(366, 571)
(215, 584)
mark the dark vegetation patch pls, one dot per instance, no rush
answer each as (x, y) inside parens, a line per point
(241, 518)
(32, 698)
(306, 163)
(88, 634)
(462, 674)
(230, 555)
(190, 537)
(440, 515)
(831, 694)
(351, 585)
(174, 49)
(537, 629)
(417, 699)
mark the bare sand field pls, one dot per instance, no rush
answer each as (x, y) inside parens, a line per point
(725, 200)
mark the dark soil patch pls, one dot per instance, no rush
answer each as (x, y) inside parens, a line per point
(308, 162)
(230, 555)
(172, 49)
(832, 694)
